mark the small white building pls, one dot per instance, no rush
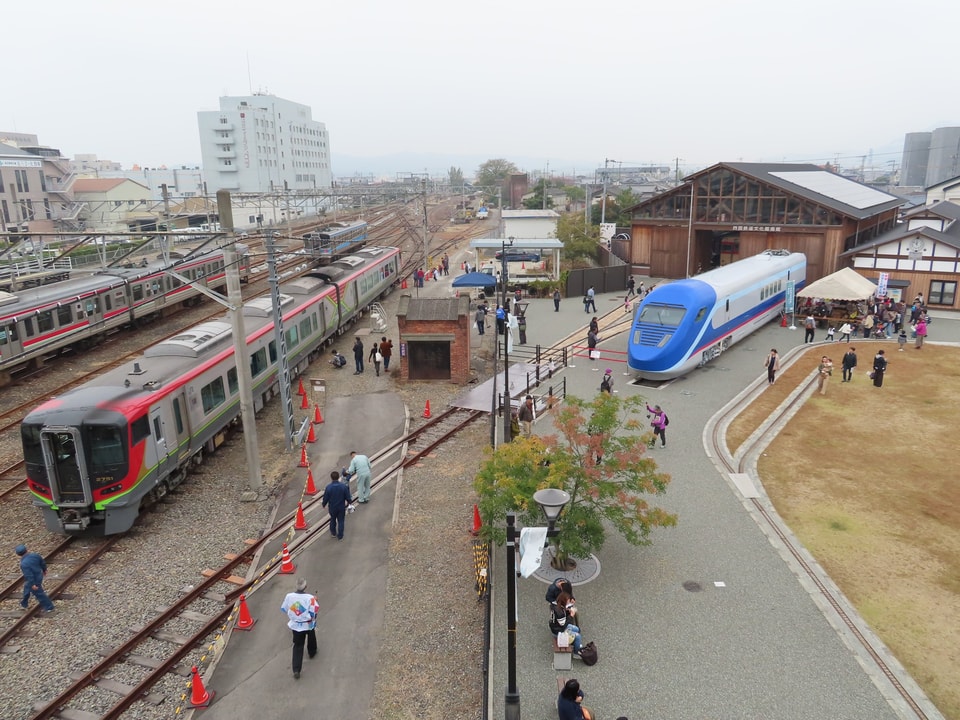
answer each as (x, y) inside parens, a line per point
(530, 224)
(111, 204)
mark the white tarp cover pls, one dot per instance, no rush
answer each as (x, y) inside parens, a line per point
(844, 284)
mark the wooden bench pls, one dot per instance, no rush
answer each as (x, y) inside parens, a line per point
(562, 656)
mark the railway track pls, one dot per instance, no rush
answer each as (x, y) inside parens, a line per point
(743, 461)
(206, 611)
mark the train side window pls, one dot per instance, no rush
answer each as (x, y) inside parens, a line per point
(139, 430)
(293, 337)
(178, 416)
(258, 362)
(233, 381)
(313, 321)
(212, 395)
(273, 352)
(700, 313)
(45, 321)
(157, 429)
(305, 328)
(64, 316)
(28, 327)
(728, 305)
(137, 293)
(108, 302)
(105, 446)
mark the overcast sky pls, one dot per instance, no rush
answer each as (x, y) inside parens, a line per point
(562, 82)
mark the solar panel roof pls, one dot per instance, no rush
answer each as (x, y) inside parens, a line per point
(836, 187)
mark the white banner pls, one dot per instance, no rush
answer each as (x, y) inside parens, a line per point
(882, 284)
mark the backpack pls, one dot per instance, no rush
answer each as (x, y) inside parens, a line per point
(605, 386)
(666, 420)
(588, 653)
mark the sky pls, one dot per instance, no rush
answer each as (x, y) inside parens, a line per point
(560, 85)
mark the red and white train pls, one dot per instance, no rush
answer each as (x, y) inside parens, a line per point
(36, 323)
(96, 454)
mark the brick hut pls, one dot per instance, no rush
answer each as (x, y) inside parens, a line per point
(435, 338)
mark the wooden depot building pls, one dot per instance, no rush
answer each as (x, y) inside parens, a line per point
(742, 209)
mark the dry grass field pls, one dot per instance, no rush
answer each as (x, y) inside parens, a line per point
(867, 478)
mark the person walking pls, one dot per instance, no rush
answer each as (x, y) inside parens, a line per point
(772, 364)
(386, 349)
(301, 608)
(879, 368)
(336, 497)
(591, 296)
(358, 355)
(556, 299)
(34, 568)
(481, 318)
(372, 356)
(631, 286)
(526, 415)
(845, 331)
(921, 330)
(810, 328)
(902, 339)
(824, 371)
(360, 466)
(606, 383)
(659, 424)
(848, 364)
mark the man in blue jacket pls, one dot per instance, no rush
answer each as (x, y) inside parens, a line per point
(33, 568)
(336, 497)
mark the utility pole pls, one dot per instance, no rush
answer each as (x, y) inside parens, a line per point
(165, 239)
(426, 247)
(235, 306)
(676, 176)
(603, 201)
(280, 338)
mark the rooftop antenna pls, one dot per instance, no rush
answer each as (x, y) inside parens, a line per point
(249, 77)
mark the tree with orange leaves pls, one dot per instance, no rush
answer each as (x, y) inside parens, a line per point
(600, 457)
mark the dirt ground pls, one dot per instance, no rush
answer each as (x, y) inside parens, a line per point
(865, 477)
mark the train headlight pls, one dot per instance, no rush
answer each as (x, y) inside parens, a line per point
(664, 340)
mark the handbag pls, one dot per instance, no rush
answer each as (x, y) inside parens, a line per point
(588, 653)
(378, 358)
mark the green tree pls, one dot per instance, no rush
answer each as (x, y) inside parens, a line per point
(616, 208)
(599, 458)
(455, 178)
(575, 193)
(579, 243)
(493, 174)
(536, 201)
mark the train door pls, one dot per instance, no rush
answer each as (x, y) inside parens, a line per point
(10, 346)
(158, 427)
(181, 421)
(66, 466)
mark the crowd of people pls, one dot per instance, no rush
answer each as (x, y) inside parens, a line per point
(875, 318)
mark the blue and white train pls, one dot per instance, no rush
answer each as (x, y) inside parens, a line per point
(682, 325)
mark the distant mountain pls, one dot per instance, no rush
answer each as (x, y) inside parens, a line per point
(387, 167)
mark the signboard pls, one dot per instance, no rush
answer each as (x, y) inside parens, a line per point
(607, 230)
(789, 297)
(882, 284)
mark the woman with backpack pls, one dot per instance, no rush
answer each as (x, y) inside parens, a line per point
(606, 384)
(659, 424)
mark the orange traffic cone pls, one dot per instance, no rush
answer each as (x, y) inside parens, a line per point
(426, 410)
(317, 417)
(476, 521)
(783, 320)
(286, 564)
(300, 390)
(463, 266)
(403, 284)
(199, 697)
(304, 403)
(244, 621)
(311, 488)
(523, 265)
(311, 436)
(303, 456)
(301, 522)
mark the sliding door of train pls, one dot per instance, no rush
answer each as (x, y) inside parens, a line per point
(164, 455)
(10, 346)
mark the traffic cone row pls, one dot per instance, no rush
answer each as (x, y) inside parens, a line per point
(317, 417)
(244, 620)
(311, 436)
(476, 521)
(303, 456)
(199, 697)
(286, 564)
(311, 488)
(426, 410)
(301, 521)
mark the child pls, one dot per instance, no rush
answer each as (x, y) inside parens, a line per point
(902, 338)
(830, 332)
(626, 304)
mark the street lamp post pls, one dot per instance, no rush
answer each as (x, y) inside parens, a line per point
(504, 244)
(551, 501)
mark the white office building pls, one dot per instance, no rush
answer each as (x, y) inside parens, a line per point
(262, 143)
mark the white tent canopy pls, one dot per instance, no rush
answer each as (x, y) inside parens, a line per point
(844, 284)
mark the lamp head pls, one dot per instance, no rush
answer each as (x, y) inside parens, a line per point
(551, 501)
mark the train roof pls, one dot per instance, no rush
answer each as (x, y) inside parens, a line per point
(30, 299)
(729, 277)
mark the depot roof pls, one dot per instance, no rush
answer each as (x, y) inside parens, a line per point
(518, 243)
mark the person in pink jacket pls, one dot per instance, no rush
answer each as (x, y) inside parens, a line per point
(659, 424)
(921, 330)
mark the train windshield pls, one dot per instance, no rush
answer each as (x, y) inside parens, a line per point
(668, 315)
(106, 448)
